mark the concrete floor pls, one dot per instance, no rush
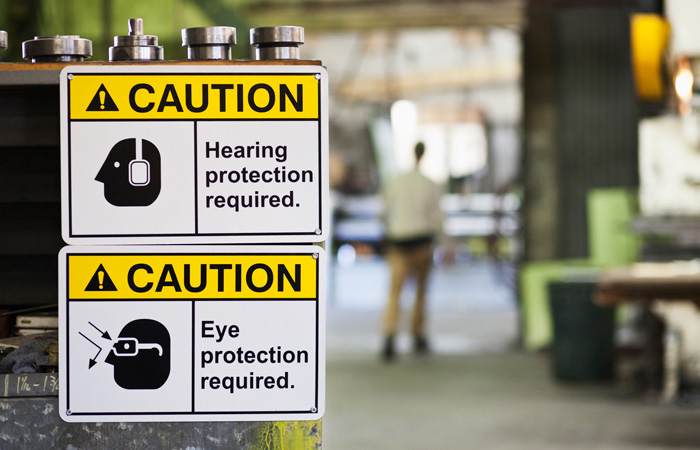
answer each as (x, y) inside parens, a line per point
(475, 390)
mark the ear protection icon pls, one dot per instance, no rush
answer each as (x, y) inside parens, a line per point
(139, 168)
(131, 173)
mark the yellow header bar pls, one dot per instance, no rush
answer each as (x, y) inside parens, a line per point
(193, 96)
(191, 276)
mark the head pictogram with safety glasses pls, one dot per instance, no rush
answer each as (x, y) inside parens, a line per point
(141, 355)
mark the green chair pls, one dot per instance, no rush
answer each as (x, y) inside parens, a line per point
(610, 242)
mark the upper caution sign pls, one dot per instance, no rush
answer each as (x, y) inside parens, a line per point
(184, 154)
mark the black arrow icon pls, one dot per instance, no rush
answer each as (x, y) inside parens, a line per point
(105, 334)
(93, 361)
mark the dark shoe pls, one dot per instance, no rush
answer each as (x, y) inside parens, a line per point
(420, 345)
(388, 352)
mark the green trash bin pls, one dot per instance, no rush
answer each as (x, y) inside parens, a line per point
(584, 333)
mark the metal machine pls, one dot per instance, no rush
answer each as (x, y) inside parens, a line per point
(30, 229)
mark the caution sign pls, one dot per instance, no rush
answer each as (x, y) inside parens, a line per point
(191, 333)
(206, 154)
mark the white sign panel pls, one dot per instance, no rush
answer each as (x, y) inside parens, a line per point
(194, 154)
(191, 333)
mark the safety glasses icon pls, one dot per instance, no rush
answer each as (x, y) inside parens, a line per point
(131, 347)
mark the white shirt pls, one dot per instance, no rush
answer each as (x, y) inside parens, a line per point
(412, 206)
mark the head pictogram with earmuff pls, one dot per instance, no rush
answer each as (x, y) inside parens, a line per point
(131, 173)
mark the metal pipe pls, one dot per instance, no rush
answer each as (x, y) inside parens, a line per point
(276, 42)
(135, 27)
(136, 46)
(57, 49)
(209, 43)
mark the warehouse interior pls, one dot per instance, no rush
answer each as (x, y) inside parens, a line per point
(565, 136)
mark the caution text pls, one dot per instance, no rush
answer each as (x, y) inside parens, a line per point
(196, 276)
(196, 96)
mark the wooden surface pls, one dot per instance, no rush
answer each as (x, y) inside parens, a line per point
(61, 65)
(650, 281)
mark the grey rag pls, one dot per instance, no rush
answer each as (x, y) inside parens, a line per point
(26, 358)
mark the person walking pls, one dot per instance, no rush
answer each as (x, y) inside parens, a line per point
(412, 220)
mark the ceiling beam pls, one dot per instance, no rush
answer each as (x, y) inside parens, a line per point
(458, 78)
(345, 15)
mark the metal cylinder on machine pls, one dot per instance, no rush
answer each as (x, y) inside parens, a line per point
(57, 49)
(136, 46)
(3, 40)
(276, 42)
(209, 43)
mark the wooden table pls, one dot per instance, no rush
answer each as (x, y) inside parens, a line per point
(646, 282)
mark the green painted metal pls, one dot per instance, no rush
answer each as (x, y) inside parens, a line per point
(302, 435)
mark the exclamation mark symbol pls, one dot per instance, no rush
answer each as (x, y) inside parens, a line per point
(100, 281)
(102, 100)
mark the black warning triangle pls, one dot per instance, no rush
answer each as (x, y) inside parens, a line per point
(102, 101)
(101, 281)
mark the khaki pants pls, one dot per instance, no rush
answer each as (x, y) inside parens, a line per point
(404, 263)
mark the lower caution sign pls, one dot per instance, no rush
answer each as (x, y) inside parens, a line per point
(191, 333)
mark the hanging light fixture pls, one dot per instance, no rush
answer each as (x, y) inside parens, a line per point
(683, 82)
